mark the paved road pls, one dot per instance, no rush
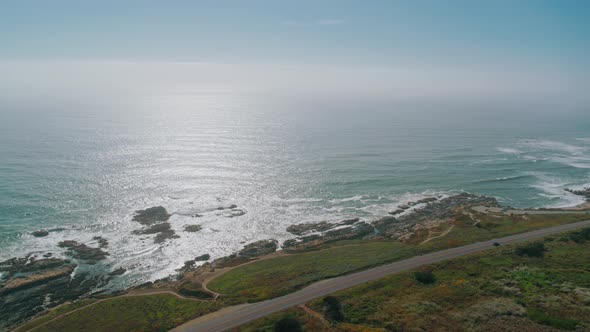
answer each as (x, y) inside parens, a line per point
(236, 316)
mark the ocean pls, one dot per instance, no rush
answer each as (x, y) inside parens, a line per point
(81, 170)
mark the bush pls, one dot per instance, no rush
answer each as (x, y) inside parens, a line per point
(425, 277)
(333, 309)
(559, 323)
(288, 324)
(580, 236)
(536, 249)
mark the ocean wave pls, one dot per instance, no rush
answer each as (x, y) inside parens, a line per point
(552, 145)
(553, 188)
(576, 162)
(509, 150)
(347, 199)
(503, 179)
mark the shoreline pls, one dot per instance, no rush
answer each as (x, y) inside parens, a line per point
(418, 217)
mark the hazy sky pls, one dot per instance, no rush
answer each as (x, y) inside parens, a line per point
(412, 45)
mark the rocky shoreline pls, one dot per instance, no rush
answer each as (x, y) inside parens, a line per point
(580, 192)
(30, 285)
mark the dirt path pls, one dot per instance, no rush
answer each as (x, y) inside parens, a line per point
(315, 314)
(441, 235)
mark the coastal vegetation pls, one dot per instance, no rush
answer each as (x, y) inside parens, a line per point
(159, 312)
(281, 275)
(494, 290)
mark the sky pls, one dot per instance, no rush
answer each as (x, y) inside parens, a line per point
(418, 47)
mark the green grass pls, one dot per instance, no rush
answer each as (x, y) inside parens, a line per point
(278, 276)
(467, 290)
(282, 275)
(494, 290)
(55, 313)
(133, 313)
(557, 322)
(492, 227)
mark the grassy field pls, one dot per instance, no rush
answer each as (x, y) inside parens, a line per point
(55, 313)
(496, 290)
(278, 276)
(282, 275)
(134, 313)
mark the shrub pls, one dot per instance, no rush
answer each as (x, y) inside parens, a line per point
(333, 309)
(425, 277)
(580, 236)
(288, 324)
(536, 249)
(559, 323)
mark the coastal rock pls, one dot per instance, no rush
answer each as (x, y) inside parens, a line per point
(301, 229)
(426, 200)
(151, 215)
(259, 248)
(118, 272)
(396, 212)
(36, 278)
(28, 264)
(29, 286)
(192, 228)
(40, 233)
(233, 206)
(580, 192)
(158, 228)
(81, 251)
(235, 213)
(385, 224)
(102, 242)
(355, 231)
(435, 212)
(325, 233)
(164, 232)
(204, 257)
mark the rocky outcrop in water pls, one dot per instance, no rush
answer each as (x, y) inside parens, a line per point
(204, 257)
(81, 251)
(426, 211)
(151, 215)
(301, 229)
(317, 234)
(231, 211)
(40, 233)
(192, 228)
(580, 192)
(233, 206)
(259, 248)
(29, 286)
(163, 232)
(118, 272)
(434, 212)
(102, 242)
